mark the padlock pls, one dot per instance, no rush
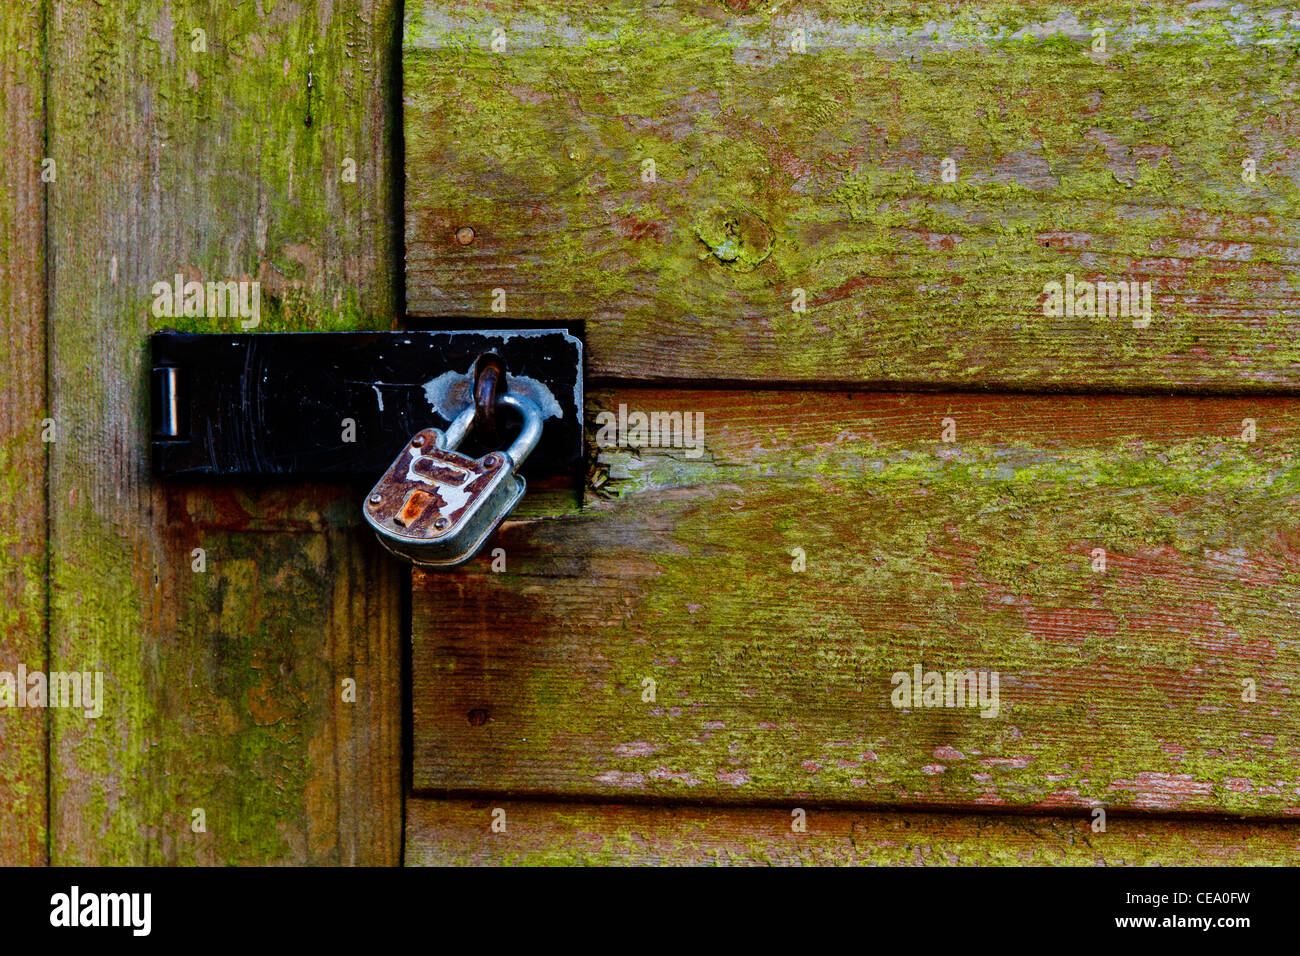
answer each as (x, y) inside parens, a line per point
(436, 507)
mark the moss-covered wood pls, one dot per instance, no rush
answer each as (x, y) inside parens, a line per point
(683, 178)
(459, 833)
(1164, 682)
(222, 154)
(23, 587)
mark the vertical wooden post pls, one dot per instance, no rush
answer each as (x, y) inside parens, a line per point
(23, 589)
(222, 144)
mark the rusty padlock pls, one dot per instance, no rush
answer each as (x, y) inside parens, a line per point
(436, 507)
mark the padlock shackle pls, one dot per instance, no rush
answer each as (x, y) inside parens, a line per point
(530, 434)
(458, 429)
(521, 447)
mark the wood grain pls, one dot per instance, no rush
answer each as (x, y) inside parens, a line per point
(777, 171)
(224, 689)
(23, 539)
(1119, 689)
(458, 833)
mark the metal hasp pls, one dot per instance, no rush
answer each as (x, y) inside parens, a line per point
(339, 404)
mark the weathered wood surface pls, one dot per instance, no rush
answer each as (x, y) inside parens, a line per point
(223, 689)
(23, 590)
(458, 833)
(820, 171)
(1120, 689)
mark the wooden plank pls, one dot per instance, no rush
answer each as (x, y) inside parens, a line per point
(23, 540)
(459, 833)
(1122, 688)
(221, 155)
(777, 171)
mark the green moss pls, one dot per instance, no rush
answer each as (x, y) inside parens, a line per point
(23, 544)
(734, 236)
(219, 693)
(969, 556)
(833, 156)
(619, 835)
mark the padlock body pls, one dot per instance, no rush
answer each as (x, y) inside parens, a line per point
(437, 507)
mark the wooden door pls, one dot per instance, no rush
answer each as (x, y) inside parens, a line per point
(829, 235)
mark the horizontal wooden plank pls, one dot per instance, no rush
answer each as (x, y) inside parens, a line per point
(460, 833)
(1121, 688)
(783, 179)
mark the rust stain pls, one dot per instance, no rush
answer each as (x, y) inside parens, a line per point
(413, 507)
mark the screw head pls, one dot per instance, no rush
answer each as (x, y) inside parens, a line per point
(375, 499)
(417, 441)
(465, 235)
